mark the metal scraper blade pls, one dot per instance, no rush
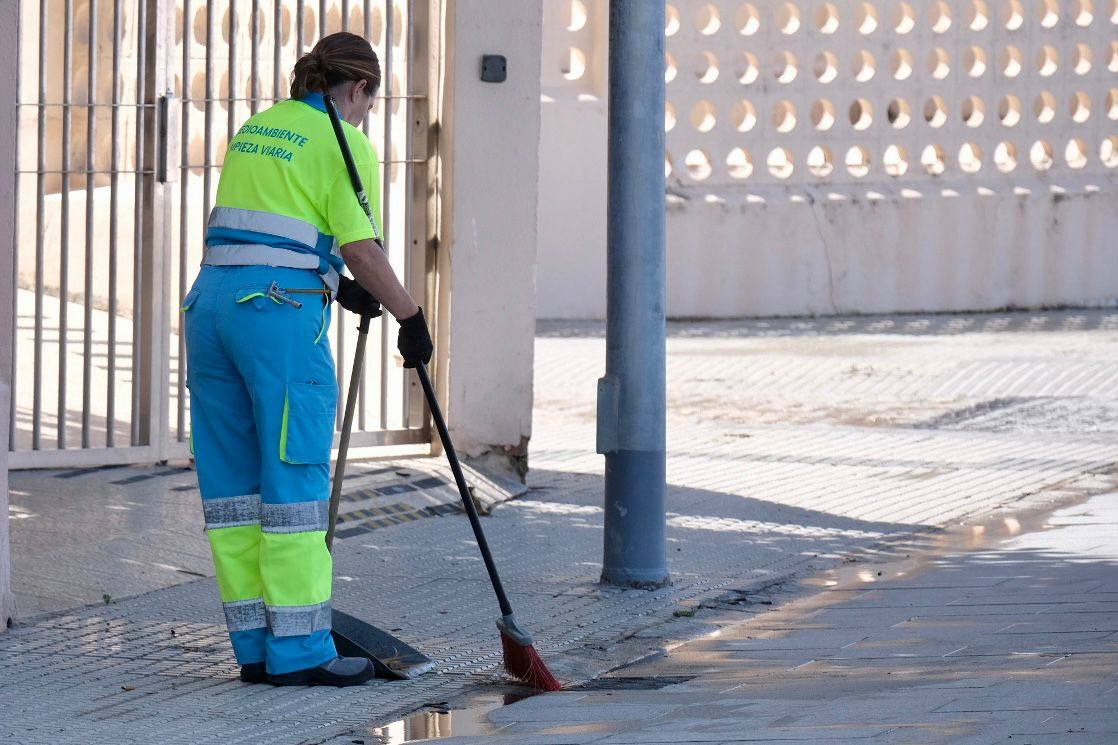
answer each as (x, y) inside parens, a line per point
(393, 658)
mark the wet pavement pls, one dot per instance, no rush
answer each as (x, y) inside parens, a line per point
(794, 446)
(1004, 630)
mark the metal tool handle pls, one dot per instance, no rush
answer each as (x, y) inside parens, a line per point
(362, 330)
(347, 428)
(463, 489)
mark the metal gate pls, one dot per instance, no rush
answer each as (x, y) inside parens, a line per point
(125, 110)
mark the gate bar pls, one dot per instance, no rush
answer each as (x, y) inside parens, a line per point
(339, 340)
(277, 48)
(386, 200)
(254, 64)
(230, 104)
(114, 178)
(207, 136)
(40, 240)
(299, 13)
(408, 186)
(184, 234)
(140, 430)
(367, 31)
(64, 237)
(90, 167)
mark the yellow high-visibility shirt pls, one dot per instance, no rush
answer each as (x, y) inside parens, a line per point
(285, 162)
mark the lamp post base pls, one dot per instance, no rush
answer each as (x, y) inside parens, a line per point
(635, 543)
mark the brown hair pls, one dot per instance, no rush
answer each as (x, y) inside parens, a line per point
(335, 59)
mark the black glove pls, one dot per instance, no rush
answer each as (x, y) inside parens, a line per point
(356, 299)
(414, 341)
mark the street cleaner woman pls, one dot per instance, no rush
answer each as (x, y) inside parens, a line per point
(263, 392)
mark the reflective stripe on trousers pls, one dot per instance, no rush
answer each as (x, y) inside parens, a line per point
(263, 402)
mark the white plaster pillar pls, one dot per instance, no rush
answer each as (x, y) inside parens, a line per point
(489, 135)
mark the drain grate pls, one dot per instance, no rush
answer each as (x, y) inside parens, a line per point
(647, 683)
(392, 514)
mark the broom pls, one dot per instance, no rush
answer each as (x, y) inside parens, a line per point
(522, 661)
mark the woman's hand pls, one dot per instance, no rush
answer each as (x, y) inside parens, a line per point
(356, 299)
(414, 340)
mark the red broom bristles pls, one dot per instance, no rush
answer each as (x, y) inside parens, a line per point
(525, 664)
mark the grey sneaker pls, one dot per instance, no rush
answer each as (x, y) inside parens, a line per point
(340, 671)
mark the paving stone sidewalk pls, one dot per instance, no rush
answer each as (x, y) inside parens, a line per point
(981, 639)
(793, 444)
(97, 535)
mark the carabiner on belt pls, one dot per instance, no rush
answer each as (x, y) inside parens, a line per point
(283, 294)
(279, 294)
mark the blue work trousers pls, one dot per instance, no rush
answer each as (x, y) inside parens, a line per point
(263, 401)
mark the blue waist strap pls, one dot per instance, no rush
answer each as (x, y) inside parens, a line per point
(252, 254)
(240, 237)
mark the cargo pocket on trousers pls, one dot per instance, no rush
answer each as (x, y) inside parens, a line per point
(188, 301)
(307, 428)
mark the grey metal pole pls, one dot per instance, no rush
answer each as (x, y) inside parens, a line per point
(631, 398)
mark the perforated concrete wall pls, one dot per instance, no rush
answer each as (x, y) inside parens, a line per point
(847, 156)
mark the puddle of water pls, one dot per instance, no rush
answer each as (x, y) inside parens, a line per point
(436, 722)
(933, 547)
(578, 729)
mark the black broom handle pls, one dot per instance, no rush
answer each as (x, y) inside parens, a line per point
(463, 489)
(347, 156)
(425, 380)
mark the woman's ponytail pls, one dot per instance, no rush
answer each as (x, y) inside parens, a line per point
(308, 76)
(335, 59)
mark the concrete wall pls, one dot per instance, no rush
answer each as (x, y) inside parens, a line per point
(847, 157)
(571, 271)
(931, 254)
(571, 268)
(489, 155)
(9, 49)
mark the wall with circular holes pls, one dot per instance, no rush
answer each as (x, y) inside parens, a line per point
(855, 156)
